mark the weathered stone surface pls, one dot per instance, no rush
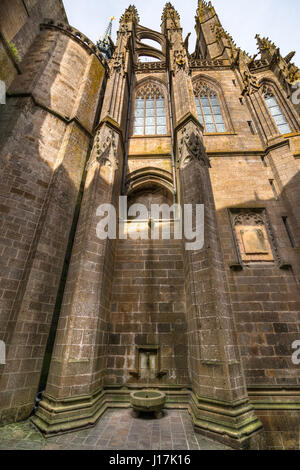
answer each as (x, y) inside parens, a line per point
(214, 327)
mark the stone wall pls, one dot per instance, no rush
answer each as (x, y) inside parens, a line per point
(46, 130)
(221, 319)
(264, 296)
(19, 25)
(148, 308)
(20, 20)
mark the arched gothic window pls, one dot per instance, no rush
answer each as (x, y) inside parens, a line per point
(276, 111)
(209, 109)
(150, 111)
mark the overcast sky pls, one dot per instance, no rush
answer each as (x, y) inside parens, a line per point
(276, 19)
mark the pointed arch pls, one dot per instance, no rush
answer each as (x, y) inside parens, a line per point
(211, 105)
(143, 177)
(149, 186)
(150, 111)
(277, 106)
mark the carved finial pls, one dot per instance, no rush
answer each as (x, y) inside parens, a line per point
(130, 16)
(203, 4)
(265, 44)
(202, 8)
(169, 12)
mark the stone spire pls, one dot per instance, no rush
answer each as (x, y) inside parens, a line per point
(266, 47)
(130, 16)
(170, 18)
(204, 9)
(105, 44)
(285, 70)
(213, 42)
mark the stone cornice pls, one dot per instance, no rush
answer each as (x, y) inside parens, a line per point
(39, 104)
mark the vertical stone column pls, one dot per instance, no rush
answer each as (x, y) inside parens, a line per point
(284, 169)
(220, 405)
(74, 396)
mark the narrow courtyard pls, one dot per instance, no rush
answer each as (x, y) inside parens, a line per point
(116, 430)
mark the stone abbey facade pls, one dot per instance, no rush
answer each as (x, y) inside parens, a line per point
(81, 316)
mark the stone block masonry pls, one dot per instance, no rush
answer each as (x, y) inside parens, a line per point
(43, 155)
(148, 308)
(214, 327)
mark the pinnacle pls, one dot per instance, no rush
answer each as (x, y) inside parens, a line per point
(168, 8)
(203, 4)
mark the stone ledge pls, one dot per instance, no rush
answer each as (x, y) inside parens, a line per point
(67, 120)
(59, 416)
(233, 423)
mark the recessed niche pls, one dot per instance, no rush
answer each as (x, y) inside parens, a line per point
(147, 363)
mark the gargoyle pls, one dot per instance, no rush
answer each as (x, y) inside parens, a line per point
(186, 43)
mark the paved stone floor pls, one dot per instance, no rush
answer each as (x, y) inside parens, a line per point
(116, 430)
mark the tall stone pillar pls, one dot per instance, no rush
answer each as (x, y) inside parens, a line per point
(74, 396)
(220, 405)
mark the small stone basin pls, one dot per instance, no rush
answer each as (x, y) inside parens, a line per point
(148, 401)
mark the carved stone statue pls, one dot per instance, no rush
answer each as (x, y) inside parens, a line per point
(192, 150)
(107, 152)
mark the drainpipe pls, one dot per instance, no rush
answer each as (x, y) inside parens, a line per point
(172, 136)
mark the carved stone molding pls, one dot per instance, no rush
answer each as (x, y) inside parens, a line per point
(259, 220)
(150, 90)
(250, 82)
(105, 149)
(191, 149)
(205, 63)
(180, 60)
(117, 64)
(150, 67)
(169, 13)
(259, 64)
(130, 16)
(245, 217)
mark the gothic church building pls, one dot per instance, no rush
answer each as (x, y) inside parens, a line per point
(80, 316)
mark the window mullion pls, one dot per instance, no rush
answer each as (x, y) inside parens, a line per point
(155, 115)
(201, 109)
(145, 101)
(212, 113)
